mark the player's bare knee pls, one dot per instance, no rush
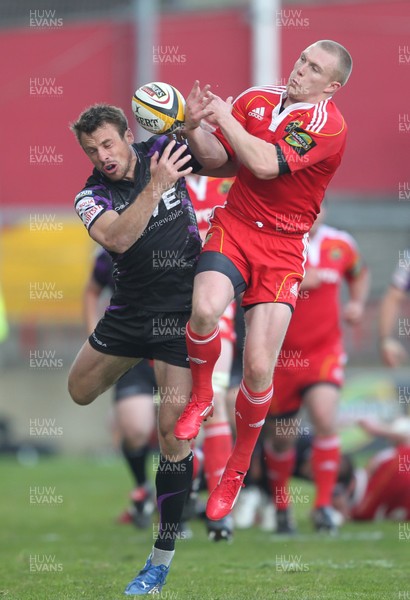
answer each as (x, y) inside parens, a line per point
(79, 396)
(204, 317)
(257, 374)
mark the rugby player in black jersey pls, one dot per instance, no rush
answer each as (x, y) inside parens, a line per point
(135, 204)
(134, 408)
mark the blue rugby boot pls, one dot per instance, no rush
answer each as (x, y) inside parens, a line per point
(150, 580)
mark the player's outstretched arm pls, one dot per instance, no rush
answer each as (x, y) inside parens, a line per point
(119, 232)
(255, 154)
(206, 148)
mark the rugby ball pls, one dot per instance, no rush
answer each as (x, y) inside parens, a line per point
(158, 107)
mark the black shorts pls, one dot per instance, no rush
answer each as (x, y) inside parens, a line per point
(138, 380)
(137, 333)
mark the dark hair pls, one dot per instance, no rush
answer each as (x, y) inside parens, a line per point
(342, 74)
(95, 116)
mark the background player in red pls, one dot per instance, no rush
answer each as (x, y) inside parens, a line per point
(287, 143)
(310, 370)
(381, 490)
(206, 193)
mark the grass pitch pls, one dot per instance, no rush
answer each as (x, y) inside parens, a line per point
(59, 541)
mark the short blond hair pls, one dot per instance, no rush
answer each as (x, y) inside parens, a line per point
(345, 61)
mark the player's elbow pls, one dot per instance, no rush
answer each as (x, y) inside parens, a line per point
(263, 162)
(116, 243)
(264, 171)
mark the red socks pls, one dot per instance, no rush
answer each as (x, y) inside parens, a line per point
(280, 468)
(251, 409)
(217, 448)
(325, 467)
(203, 352)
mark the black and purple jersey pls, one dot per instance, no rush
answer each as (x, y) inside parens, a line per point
(156, 273)
(102, 270)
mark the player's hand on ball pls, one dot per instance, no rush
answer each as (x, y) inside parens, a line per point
(220, 109)
(196, 107)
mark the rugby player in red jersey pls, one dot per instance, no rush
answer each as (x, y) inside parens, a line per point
(310, 370)
(381, 490)
(287, 143)
(206, 193)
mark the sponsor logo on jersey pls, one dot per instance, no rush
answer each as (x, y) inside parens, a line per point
(87, 210)
(83, 193)
(225, 186)
(258, 113)
(83, 205)
(121, 206)
(293, 125)
(335, 254)
(300, 141)
(91, 214)
(98, 341)
(329, 275)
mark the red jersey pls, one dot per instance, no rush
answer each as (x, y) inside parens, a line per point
(315, 324)
(205, 194)
(310, 140)
(386, 493)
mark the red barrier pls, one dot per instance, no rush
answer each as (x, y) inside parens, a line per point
(66, 69)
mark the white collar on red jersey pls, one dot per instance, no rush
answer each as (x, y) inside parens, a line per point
(278, 117)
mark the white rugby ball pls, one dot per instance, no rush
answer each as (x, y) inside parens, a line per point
(158, 107)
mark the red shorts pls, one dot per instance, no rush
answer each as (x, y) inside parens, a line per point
(272, 264)
(387, 494)
(295, 372)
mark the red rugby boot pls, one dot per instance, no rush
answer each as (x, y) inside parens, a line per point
(188, 425)
(223, 498)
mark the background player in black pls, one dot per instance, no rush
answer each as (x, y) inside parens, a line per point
(135, 205)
